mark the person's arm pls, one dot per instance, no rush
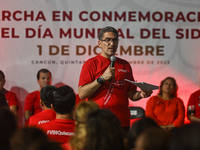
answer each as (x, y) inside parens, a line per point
(193, 118)
(28, 107)
(27, 114)
(134, 95)
(150, 107)
(89, 89)
(13, 109)
(13, 102)
(137, 95)
(179, 120)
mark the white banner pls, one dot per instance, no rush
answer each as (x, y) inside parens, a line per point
(158, 38)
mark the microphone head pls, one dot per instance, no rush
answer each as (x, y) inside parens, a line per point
(112, 58)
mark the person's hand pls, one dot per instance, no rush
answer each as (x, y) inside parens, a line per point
(167, 127)
(145, 94)
(109, 73)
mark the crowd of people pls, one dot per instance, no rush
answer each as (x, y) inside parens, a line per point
(56, 118)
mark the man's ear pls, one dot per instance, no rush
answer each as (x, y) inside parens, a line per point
(52, 106)
(42, 103)
(99, 43)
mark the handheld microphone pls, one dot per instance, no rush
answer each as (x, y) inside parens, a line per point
(112, 59)
(112, 63)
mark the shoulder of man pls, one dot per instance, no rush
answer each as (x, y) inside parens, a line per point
(34, 94)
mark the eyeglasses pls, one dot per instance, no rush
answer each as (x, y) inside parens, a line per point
(109, 40)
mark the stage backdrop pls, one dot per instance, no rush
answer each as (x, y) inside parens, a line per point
(159, 38)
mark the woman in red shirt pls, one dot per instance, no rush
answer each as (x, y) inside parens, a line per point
(166, 108)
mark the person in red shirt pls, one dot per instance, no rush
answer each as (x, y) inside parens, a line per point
(166, 108)
(105, 84)
(11, 97)
(32, 102)
(47, 114)
(193, 107)
(62, 128)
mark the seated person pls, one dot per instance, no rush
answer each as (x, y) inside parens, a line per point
(32, 102)
(152, 139)
(11, 97)
(103, 131)
(137, 128)
(47, 114)
(185, 138)
(25, 137)
(82, 110)
(166, 108)
(193, 107)
(62, 128)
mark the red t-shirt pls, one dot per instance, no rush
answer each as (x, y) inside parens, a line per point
(166, 112)
(32, 102)
(42, 117)
(59, 130)
(11, 98)
(195, 100)
(112, 95)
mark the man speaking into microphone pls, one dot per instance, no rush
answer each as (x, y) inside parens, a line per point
(102, 79)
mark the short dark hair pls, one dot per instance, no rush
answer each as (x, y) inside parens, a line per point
(64, 100)
(155, 139)
(107, 29)
(42, 70)
(185, 137)
(24, 137)
(3, 75)
(46, 95)
(137, 128)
